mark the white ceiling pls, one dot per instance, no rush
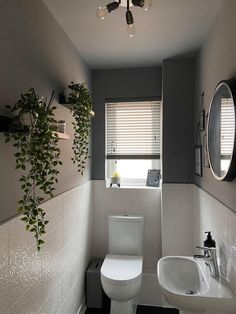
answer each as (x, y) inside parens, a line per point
(170, 28)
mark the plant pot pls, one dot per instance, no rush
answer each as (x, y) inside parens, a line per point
(115, 180)
(26, 120)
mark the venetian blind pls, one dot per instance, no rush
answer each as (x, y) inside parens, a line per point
(227, 126)
(133, 130)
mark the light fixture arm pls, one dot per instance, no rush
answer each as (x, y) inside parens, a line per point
(138, 3)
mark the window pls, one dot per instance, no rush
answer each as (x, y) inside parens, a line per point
(227, 132)
(132, 140)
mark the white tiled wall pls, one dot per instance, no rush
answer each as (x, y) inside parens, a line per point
(177, 219)
(51, 281)
(146, 202)
(211, 215)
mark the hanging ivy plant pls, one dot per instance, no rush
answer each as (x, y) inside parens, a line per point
(81, 103)
(37, 156)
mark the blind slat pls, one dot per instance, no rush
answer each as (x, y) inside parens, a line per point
(227, 126)
(133, 129)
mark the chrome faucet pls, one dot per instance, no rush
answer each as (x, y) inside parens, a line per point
(210, 259)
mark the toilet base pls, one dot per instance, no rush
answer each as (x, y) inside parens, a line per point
(128, 307)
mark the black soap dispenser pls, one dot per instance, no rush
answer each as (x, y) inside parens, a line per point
(209, 242)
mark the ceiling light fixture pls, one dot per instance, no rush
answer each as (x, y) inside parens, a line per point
(103, 11)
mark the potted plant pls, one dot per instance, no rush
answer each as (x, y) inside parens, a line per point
(81, 106)
(37, 156)
(115, 179)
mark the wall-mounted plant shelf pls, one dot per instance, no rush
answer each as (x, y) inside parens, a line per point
(62, 136)
(6, 126)
(64, 103)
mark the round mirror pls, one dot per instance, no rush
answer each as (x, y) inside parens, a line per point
(221, 131)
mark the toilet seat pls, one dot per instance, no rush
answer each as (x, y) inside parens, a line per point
(121, 269)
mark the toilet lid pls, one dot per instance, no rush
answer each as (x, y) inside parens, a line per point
(122, 267)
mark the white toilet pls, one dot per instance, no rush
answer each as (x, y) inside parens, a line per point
(121, 272)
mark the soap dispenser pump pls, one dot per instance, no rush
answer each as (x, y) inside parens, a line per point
(209, 242)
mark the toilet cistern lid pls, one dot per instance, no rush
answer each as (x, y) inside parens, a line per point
(122, 267)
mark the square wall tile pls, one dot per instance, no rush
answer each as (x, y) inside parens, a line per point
(29, 302)
(181, 194)
(232, 270)
(24, 259)
(222, 251)
(119, 201)
(4, 269)
(205, 206)
(69, 254)
(232, 232)
(76, 272)
(51, 257)
(53, 208)
(70, 227)
(177, 231)
(220, 220)
(53, 302)
(76, 198)
(74, 298)
(52, 248)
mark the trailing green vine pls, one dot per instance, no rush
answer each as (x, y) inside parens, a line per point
(37, 156)
(81, 102)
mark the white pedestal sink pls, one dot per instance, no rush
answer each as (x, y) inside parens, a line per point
(188, 286)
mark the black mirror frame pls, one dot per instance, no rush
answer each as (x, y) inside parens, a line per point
(231, 172)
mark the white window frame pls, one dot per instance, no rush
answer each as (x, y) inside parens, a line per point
(131, 182)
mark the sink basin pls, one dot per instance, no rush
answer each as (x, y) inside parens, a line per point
(187, 285)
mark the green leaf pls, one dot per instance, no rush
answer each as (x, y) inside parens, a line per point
(38, 155)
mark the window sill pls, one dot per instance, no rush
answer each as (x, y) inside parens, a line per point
(132, 187)
(135, 187)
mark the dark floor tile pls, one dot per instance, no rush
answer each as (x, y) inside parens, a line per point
(141, 310)
(155, 310)
(105, 310)
(96, 311)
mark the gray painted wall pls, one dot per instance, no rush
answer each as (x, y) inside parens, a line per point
(178, 117)
(216, 62)
(138, 83)
(35, 52)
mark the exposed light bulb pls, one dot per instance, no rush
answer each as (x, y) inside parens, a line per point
(131, 31)
(138, 3)
(147, 5)
(102, 13)
(112, 6)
